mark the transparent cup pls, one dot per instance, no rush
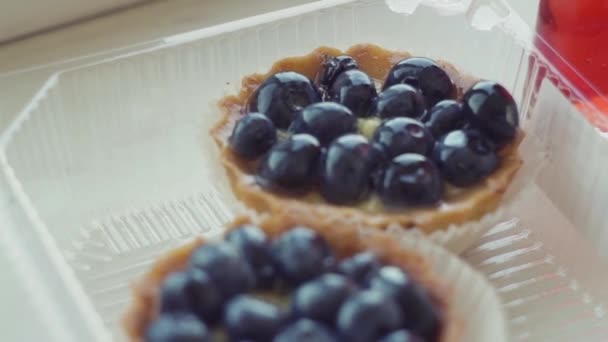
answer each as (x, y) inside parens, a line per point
(578, 31)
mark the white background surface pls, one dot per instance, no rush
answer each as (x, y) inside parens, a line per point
(22, 17)
(140, 24)
(145, 23)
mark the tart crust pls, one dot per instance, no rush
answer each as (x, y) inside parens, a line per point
(459, 205)
(344, 239)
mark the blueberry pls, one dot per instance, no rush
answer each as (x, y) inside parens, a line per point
(411, 180)
(400, 100)
(291, 165)
(225, 266)
(252, 136)
(465, 157)
(404, 135)
(445, 117)
(254, 245)
(425, 74)
(177, 328)
(249, 319)
(305, 330)
(420, 315)
(402, 336)
(492, 108)
(321, 298)
(360, 266)
(282, 95)
(333, 67)
(325, 120)
(191, 291)
(367, 316)
(356, 90)
(379, 159)
(346, 174)
(301, 255)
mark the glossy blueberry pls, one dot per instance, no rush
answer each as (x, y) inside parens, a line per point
(380, 161)
(177, 328)
(400, 100)
(465, 157)
(445, 117)
(356, 90)
(346, 174)
(411, 180)
(492, 108)
(249, 319)
(321, 298)
(404, 135)
(252, 136)
(253, 243)
(402, 336)
(305, 330)
(282, 95)
(367, 316)
(424, 74)
(420, 315)
(333, 67)
(325, 120)
(226, 267)
(360, 266)
(291, 165)
(191, 291)
(301, 255)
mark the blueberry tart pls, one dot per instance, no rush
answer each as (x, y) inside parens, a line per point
(370, 136)
(280, 281)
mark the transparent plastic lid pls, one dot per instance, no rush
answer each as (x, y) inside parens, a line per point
(110, 163)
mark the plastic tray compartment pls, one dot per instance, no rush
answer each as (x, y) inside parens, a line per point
(110, 163)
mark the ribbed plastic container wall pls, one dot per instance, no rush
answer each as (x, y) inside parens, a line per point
(112, 164)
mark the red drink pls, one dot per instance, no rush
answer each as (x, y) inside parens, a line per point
(578, 31)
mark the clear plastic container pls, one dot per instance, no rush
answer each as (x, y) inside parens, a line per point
(111, 164)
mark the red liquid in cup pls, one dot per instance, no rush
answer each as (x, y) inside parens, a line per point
(578, 31)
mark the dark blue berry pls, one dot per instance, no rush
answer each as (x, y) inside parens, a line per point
(367, 316)
(191, 291)
(420, 314)
(301, 255)
(253, 243)
(411, 180)
(465, 157)
(177, 328)
(379, 159)
(360, 267)
(400, 100)
(282, 95)
(249, 319)
(424, 74)
(305, 330)
(404, 135)
(492, 108)
(445, 117)
(325, 120)
(291, 165)
(333, 67)
(346, 175)
(402, 336)
(226, 267)
(321, 298)
(356, 90)
(253, 135)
